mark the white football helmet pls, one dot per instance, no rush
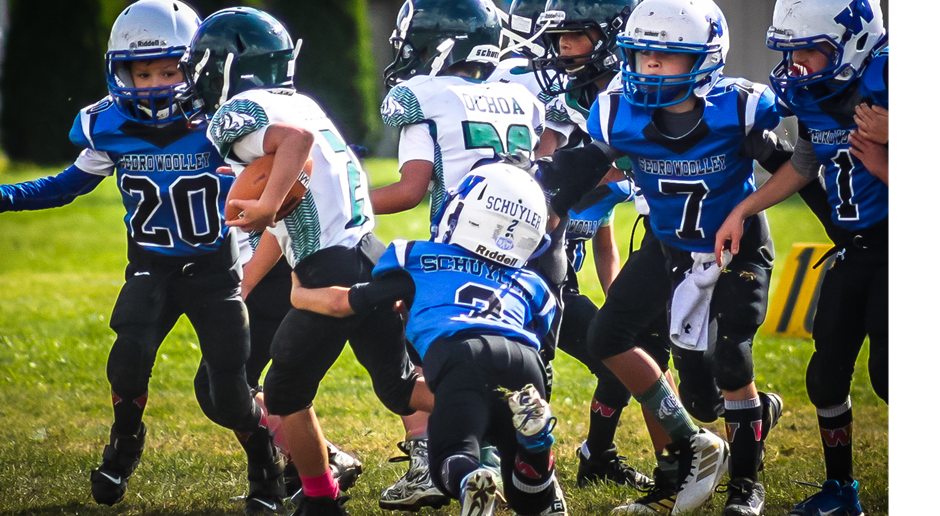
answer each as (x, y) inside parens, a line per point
(497, 211)
(146, 30)
(845, 30)
(695, 27)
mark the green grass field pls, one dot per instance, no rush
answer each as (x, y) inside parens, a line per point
(61, 270)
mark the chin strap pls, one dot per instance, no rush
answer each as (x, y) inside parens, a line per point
(443, 52)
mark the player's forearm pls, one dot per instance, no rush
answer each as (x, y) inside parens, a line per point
(331, 301)
(407, 192)
(262, 261)
(48, 192)
(784, 183)
(606, 257)
(291, 148)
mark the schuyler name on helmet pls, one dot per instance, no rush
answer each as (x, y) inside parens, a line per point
(496, 256)
(514, 210)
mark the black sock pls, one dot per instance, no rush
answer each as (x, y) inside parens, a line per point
(743, 428)
(603, 427)
(835, 427)
(128, 413)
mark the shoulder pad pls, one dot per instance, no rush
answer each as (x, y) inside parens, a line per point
(236, 118)
(401, 107)
(98, 118)
(875, 78)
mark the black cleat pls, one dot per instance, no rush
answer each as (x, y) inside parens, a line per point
(745, 498)
(265, 490)
(611, 467)
(321, 506)
(119, 460)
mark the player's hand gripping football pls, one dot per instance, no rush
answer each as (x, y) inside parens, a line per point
(253, 215)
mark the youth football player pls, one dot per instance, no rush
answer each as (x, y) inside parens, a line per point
(835, 58)
(247, 88)
(692, 136)
(182, 259)
(477, 318)
(450, 122)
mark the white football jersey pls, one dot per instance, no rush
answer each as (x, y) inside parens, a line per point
(457, 123)
(336, 209)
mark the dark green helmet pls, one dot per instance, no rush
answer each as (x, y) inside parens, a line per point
(431, 36)
(234, 50)
(521, 33)
(607, 17)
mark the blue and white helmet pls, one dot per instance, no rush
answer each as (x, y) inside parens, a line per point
(694, 27)
(845, 30)
(497, 211)
(147, 30)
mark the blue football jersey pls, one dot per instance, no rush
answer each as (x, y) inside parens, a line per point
(594, 211)
(167, 177)
(457, 291)
(690, 183)
(858, 199)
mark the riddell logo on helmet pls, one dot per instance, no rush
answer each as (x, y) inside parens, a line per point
(496, 256)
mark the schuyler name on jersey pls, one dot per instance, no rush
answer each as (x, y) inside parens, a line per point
(164, 162)
(488, 104)
(464, 264)
(676, 167)
(830, 137)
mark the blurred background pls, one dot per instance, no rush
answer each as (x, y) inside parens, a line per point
(52, 63)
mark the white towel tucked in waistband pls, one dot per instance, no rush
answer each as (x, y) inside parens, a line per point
(688, 327)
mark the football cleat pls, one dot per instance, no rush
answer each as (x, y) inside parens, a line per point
(745, 498)
(532, 418)
(559, 506)
(660, 500)
(346, 467)
(119, 460)
(772, 405)
(478, 493)
(772, 410)
(703, 460)
(611, 467)
(833, 499)
(414, 489)
(265, 489)
(321, 506)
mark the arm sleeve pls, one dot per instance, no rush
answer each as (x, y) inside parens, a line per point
(769, 150)
(382, 292)
(48, 192)
(804, 157)
(572, 173)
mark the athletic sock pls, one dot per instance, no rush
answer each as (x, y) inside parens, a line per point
(128, 413)
(743, 426)
(667, 410)
(323, 485)
(454, 469)
(603, 427)
(835, 427)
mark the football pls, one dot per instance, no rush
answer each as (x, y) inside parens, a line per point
(252, 180)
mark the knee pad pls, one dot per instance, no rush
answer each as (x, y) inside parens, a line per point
(878, 365)
(702, 401)
(611, 392)
(826, 384)
(128, 368)
(732, 364)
